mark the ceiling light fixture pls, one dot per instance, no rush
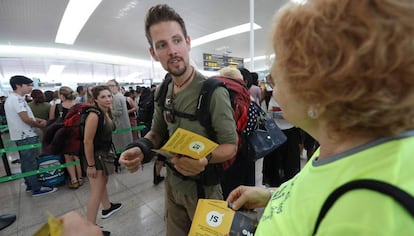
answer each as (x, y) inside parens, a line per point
(259, 58)
(54, 71)
(76, 14)
(301, 2)
(124, 11)
(133, 75)
(58, 53)
(223, 34)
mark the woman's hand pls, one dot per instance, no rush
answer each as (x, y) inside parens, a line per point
(249, 197)
(91, 172)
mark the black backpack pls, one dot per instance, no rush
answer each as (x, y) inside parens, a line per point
(240, 101)
(146, 108)
(399, 195)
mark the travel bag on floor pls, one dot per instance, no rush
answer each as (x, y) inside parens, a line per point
(54, 177)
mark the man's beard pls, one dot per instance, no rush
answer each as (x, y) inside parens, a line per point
(179, 72)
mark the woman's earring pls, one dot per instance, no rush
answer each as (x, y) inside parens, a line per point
(312, 113)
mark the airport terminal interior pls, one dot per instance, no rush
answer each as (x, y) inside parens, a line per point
(326, 85)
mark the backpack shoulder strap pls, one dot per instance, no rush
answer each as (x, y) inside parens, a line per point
(162, 93)
(399, 195)
(95, 110)
(161, 96)
(84, 114)
(91, 109)
(203, 102)
(203, 114)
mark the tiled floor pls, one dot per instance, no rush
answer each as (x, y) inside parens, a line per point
(142, 213)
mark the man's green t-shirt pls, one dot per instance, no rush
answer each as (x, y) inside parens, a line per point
(186, 101)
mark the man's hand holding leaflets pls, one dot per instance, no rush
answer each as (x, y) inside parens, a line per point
(187, 151)
(183, 143)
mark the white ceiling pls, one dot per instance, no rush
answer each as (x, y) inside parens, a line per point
(116, 28)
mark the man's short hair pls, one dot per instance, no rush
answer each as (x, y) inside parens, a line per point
(162, 13)
(19, 80)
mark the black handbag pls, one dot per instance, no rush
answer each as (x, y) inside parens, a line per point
(266, 137)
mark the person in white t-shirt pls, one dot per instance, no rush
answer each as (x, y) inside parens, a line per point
(22, 124)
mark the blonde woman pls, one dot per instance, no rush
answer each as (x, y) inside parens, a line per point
(67, 97)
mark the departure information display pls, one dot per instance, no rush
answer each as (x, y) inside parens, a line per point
(213, 62)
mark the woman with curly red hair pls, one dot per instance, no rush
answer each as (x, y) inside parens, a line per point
(344, 73)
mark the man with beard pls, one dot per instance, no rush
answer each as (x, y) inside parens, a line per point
(170, 45)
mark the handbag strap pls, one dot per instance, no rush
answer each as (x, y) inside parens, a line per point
(263, 116)
(259, 108)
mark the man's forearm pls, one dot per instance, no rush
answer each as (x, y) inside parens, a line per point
(223, 153)
(154, 138)
(33, 123)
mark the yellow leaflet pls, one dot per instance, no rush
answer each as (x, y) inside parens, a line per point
(214, 218)
(53, 227)
(188, 143)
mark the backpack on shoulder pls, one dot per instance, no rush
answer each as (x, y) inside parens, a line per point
(74, 125)
(239, 98)
(240, 102)
(54, 135)
(146, 108)
(66, 135)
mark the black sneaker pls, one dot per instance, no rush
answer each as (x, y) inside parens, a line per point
(114, 208)
(106, 233)
(6, 220)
